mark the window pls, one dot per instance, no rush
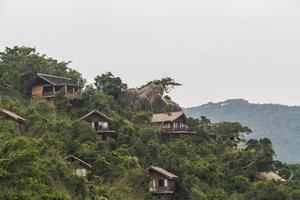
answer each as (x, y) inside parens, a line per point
(103, 125)
(161, 183)
(81, 172)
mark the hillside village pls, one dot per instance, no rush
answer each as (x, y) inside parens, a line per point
(64, 139)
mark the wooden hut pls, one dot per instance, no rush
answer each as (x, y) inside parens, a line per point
(47, 86)
(269, 176)
(99, 121)
(162, 182)
(174, 122)
(80, 167)
(13, 116)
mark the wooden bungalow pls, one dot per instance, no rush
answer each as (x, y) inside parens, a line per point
(47, 86)
(162, 182)
(174, 122)
(80, 167)
(269, 176)
(99, 121)
(13, 116)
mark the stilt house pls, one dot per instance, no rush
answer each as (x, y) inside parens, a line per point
(162, 182)
(47, 86)
(99, 121)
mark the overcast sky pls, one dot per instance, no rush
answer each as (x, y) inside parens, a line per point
(218, 49)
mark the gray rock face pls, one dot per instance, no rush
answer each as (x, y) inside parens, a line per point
(148, 98)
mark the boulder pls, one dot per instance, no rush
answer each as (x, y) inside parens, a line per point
(149, 97)
(152, 89)
(142, 103)
(129, 97)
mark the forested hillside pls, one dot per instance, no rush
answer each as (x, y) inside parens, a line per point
(33, 165)
(279, 123)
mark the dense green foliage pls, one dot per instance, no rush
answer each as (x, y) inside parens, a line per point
(32, 164)
(110, 84)
(278, 122)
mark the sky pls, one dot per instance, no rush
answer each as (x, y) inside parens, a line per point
(217, 49)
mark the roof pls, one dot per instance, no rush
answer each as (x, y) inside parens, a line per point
(72, 157)
(270, 176)
(162, 171)
(98, 113)
(56, 80)
(163, 117)
(12, 115)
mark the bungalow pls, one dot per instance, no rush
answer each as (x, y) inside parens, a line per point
(162, 182)
(174, 122)
(47, 86)
(99, 121)
(13, 116)
(80, 167)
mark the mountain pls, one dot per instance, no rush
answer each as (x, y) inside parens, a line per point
(280, 123)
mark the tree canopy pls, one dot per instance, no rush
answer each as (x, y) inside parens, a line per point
(32, 164)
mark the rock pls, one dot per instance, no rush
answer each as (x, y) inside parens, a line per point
(142, 103)
(152, 89)
(129, 97)
(158, 103)
(150, 97)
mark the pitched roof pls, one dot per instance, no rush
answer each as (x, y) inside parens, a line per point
(162, 171)
(270, 176)
(72, 157)
(163, 117)
(56, 80)
(98, 113)
(13, 115)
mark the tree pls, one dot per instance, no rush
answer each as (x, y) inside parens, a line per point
(110, 84)
(168, 83)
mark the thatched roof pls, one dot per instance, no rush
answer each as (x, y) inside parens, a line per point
(163, 117)
(73, 158)
(270, 176)
(13, 116)
(162, 172)
(56, 80)
(97, 113)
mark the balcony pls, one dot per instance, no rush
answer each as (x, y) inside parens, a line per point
(161, 190)
(104, 130)
(67, 95)
(178, 129)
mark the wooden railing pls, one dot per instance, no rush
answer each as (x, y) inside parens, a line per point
(67, 95)
(161, 190)
(73, 96)
(176, 129)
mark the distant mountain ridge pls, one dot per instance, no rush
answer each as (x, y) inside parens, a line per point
(280, 123)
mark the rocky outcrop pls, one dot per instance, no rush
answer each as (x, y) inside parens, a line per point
(150, 98)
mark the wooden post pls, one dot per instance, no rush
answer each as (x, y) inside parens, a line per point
(53, 89)
(66, 90)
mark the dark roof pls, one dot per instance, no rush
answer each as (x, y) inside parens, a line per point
(72, 158)
(13, 116)
(98, 113)
(162, 172)
(163, 117)
(56, 80)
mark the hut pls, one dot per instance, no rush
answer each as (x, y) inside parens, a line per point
(80, 167)
(269, 176)
(174, 122)
(162, 182)
(13, 116)
(99, 121)
(47, 86)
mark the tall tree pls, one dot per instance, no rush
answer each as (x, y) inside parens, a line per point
(110, 84)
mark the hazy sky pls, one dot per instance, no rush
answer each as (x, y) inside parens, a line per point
(218, 49)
